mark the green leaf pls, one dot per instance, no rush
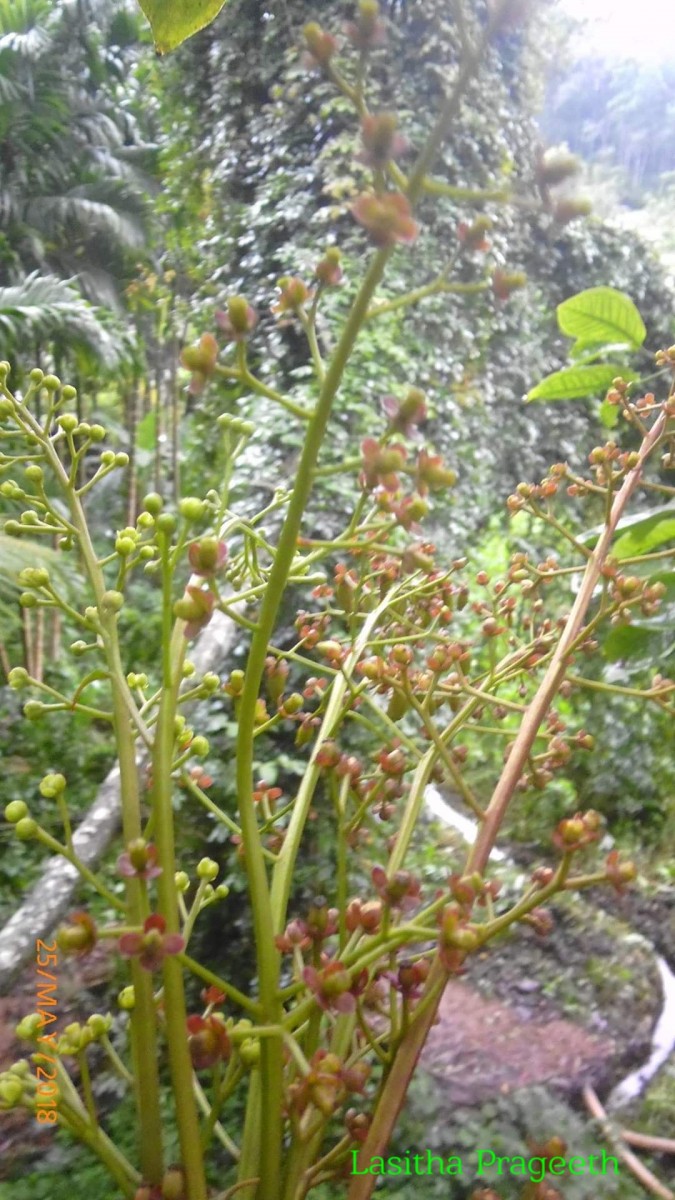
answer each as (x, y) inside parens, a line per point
(646, 535)
(601, 314)
(629, 641)
(574, 382)
(173, 21)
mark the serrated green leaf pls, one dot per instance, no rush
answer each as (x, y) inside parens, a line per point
(646, 535)
(601, 314)
(172, 21)
(576, 382)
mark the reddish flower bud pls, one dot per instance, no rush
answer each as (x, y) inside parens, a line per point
(387, 217)
(239, 320)
(380, 140)
(320, 45)
(207, 556)
(201, 360)
(328, 270)
(79, 937)
(293, 295)
(195, 608)
(368, 30)
(505, 282)
(472, 237)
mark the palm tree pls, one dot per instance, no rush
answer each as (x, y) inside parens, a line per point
(72, 191)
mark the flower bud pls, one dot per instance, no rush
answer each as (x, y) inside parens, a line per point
(52, 785)
(239, 320)
(15, 811)
(207, 869)
(26, 829)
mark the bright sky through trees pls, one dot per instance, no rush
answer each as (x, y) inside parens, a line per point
(643, 29)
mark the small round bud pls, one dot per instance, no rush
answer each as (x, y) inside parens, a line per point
(121, 460)
(191, 508)
(207, 869)
(51, 382)
(107, 458)
(166, 523)
(68, 392)
(99, 1025)
(36, 375)
(126, 999)
(199, 746)
(35, 473)
(18, 678)
(97, 433)
(153, 503)
(33, 710)
(15, 811)
(111, 602)
(67, 422)
(26, 829)
(182, 881)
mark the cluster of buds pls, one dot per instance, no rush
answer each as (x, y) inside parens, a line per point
(387, 218)
(333, 987)
(577, 832)
(327, 1083)
(320, 923)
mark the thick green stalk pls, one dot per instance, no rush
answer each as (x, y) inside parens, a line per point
(263, 916)
(143, 1019)
(175, 1014)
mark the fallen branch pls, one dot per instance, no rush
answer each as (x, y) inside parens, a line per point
(616, 1139)
(646, 1141)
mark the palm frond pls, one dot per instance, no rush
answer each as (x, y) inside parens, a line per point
(45, 307)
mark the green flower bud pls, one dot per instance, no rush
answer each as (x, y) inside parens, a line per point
(18, 678)
(34, 709)
(26, 829)
(52, 785)
(29, 1028)
(67, 422)
(34, 473)
(107, 458)
(207, 869)
(36, 375)
(221, 891)
(97, 433)
(126, 999)
(191, 508)
(100, 1025)
(11, 1091)
(182, 881)
(28, 600)
(125, 546)
(153, 503)
(51, 382)
(111, 602)
(166, 523)
(68, 392)
(200, 746)
(121, 459)
(15, 811)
